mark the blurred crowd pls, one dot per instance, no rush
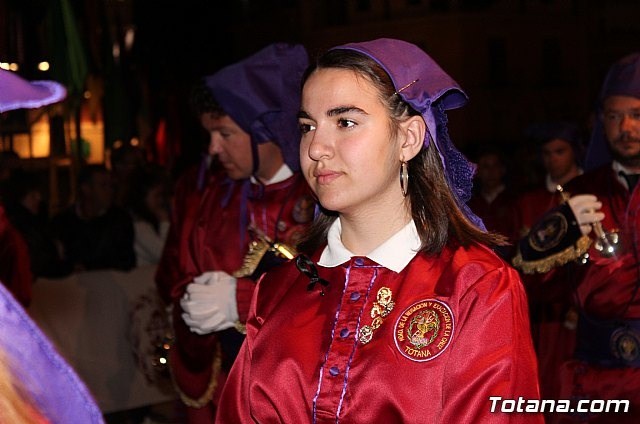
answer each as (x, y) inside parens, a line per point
(120, 216)
(118, 220)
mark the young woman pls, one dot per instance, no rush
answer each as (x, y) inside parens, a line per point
(401, 312)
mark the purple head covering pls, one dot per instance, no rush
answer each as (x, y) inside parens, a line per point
(17, 93)
(420, 81)
(52, 385)
(262, 95)
(623, 79)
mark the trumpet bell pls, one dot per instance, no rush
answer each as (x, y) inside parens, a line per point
(607, 243)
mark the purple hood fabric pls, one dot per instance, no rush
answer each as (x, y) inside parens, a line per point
(262, 95)
(53, 386)
(17, 93)
(623, 79)
(422, 83)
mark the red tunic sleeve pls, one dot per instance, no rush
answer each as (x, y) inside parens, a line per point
(493, 356)
(218, 240)
(183, 215)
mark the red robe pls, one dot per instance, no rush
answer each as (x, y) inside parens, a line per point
(456, 334)
(281, 211)
(15, 265)
(549, 300)
(184, 207)
(606, 291)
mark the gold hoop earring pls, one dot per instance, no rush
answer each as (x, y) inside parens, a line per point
(404, 178)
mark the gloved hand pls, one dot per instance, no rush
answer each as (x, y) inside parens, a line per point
(585, 208)
(209, 303)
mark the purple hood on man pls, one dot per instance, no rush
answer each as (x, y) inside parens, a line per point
(262, 95)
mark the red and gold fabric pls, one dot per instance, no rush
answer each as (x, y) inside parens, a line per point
(607, 296)
(229, 217)
(550, 299)
(607, 355)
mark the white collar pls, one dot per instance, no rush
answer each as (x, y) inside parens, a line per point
(618, 168)
(394, 254)
(283, 173)
(552, 186)
(490, 196)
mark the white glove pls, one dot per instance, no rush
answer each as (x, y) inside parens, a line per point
(209, 303)
(585, 208)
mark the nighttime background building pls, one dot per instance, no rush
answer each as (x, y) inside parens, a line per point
(129, 64)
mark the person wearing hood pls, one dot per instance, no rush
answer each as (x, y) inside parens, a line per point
(596, 231)
(559, 145)
(252, 212)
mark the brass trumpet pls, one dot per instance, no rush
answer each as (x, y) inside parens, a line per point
(607, 242)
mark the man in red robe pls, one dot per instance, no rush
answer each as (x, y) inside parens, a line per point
(552, 315)
(252, 211)
(606, 362)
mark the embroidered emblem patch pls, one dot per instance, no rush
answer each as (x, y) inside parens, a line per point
(548, 233)
(625, 344)
(424, 330)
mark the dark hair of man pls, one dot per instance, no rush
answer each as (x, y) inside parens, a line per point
(433, 206)
(202, 100)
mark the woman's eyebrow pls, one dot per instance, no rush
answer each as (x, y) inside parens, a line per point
(334, 112)
(344, 109)
(303, 115)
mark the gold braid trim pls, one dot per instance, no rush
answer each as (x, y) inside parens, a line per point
(213, 383)
(546, 264)
(240, 327)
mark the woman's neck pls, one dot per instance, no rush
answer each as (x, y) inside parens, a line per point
(363, 232)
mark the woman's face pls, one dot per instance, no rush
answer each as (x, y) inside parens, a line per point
(347, 152)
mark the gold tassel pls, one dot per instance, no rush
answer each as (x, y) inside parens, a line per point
(547, 264)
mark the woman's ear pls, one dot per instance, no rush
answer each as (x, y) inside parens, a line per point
(413, 132)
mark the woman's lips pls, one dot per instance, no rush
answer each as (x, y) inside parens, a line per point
(326, 177)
